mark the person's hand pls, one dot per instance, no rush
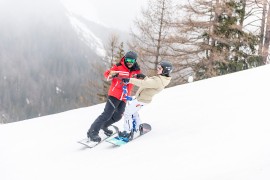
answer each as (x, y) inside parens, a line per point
(113, 74)
(125, 80)
(140, 76)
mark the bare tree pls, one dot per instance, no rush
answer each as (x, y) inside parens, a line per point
(262, 28)
(194, 36)
(112, 47)
(120, 51)
(115, 51)
(265, 31)
(213, 37)
(151, 32)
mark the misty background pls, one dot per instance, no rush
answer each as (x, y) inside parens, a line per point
(50, 60)
(53, 53)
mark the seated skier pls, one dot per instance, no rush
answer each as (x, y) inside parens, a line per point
(148, 87)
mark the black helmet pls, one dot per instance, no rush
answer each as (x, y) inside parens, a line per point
(167, 67)
(131, 55)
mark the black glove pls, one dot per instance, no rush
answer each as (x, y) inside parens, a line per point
(115, 75)
(140, 76)
(125, 80)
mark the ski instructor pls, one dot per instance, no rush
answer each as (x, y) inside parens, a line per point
(116, 102)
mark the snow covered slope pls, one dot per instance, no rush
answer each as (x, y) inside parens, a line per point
(215, 129)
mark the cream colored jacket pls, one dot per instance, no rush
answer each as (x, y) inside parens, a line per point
(149, 86)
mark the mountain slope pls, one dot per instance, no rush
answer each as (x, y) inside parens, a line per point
(46, 66)
(212, 129)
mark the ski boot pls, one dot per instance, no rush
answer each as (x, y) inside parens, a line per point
(107, 131)
(93, 136)
(141, 129)
(126, 136)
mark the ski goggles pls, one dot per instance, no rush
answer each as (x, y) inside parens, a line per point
(129, 60)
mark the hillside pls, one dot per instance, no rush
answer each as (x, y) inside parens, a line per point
(50, 59)
(215, 129)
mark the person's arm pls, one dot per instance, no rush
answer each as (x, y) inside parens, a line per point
(110, 73)
(146, 82)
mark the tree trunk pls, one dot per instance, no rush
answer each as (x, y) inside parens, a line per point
(160, 33)
(262, 28)
(266, 38)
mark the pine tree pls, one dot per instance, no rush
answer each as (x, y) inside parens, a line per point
(215, 38)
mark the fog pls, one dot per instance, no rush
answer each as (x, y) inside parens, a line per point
(41, 53)
(118, 14)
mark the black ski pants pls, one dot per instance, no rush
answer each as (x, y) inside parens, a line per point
(113, 112)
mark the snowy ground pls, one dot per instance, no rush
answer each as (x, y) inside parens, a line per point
(215, 129)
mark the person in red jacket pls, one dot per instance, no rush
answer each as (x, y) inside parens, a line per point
(116, 103)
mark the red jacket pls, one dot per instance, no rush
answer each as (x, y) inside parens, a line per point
(116, 88)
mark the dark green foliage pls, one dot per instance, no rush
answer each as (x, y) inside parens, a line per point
(233, 49)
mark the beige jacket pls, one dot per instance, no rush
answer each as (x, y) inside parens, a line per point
(149, 86)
